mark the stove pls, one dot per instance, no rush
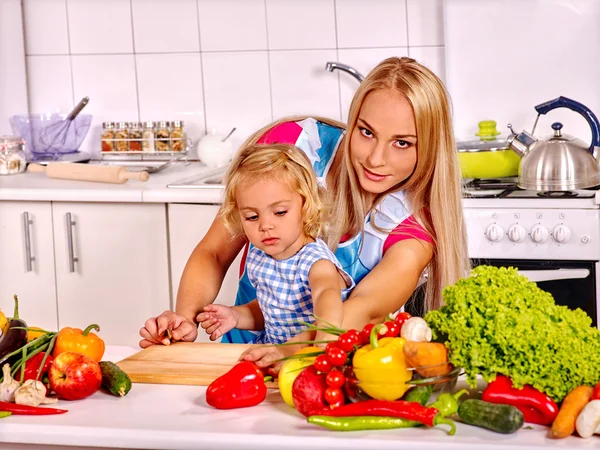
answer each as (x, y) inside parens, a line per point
(551, 237)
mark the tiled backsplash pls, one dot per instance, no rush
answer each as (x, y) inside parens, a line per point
(216, 63)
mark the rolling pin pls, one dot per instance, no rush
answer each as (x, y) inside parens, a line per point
(86, 172)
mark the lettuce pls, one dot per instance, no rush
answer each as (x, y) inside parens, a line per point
(497, 321)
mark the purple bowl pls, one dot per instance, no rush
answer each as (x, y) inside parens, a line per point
(51, 134)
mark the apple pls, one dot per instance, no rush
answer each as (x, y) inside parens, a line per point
(290, 370)
(308, 391)
(74, 376)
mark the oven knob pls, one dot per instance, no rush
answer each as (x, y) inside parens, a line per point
(538, 234)
(517, 233)
(494, 233)
(561, 234)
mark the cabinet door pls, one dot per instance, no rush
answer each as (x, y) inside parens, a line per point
(187, 226)
(111, 266)
(27, 262)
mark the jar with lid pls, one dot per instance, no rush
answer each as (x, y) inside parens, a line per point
(121, 137)
(12, 155)
(177, 136)
(135, 137)
(148, 137)
(163, 136)
(108, 137)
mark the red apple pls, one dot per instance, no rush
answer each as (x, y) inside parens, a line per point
(74, 376)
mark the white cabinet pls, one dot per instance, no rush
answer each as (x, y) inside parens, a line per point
(188, 223)
(111, 266)
(27, 262)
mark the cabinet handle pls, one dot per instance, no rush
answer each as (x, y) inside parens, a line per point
(29, 258)
(72, 259)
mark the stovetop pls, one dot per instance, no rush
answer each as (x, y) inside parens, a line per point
(508, 188)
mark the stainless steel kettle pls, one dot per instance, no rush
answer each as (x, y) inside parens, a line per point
(561, 163)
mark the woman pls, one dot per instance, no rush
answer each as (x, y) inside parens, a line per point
(396, 215)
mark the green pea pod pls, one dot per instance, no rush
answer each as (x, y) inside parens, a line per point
(358, 423)
(419, 394)
(4, 414)
(447, 404)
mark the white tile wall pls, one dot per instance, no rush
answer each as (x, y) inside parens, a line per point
(215, 63)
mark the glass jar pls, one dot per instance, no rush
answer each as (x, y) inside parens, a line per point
(177, 136)
(108, 137)
(12, 155)
(163, 135)
(121, 137)
(135, 137)
(148, 137)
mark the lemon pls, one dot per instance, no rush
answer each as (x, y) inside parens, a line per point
(291, 369)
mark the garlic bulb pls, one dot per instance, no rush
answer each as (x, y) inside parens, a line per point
(32, 393)
(416, 329)
(8, 385)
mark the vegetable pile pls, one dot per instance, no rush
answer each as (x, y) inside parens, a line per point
(497, 321)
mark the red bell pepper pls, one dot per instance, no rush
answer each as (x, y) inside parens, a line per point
(244, 385)
(32, 367)
(596, 392)
(536, 406)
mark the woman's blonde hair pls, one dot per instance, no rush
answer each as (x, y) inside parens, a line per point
(434, 188)
(283, 162)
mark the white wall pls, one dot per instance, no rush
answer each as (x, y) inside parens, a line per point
(216, 63)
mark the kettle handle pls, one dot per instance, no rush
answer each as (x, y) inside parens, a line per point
(564, 102)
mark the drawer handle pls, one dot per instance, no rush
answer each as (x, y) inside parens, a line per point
(72, 259)
(29, 258)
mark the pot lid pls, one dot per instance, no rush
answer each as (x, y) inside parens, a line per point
(488, 139)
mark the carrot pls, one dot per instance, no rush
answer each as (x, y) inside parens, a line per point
(573, 403)
(430, 359)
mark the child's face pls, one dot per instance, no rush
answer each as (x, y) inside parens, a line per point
(271, 215)
(384, 142)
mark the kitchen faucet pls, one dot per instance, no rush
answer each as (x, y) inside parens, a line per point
(331, 66)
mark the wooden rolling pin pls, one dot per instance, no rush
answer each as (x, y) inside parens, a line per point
(88, 172)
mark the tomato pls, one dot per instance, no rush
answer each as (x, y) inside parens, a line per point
(336, 356)
(393, 329)
(596, 392)
(335, 379)
(366, 333)
(322, 363)
(333, 395)
(332, 345)
(348, 340)
(401, 318)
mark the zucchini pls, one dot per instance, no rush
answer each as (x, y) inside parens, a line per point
(499, 418)
(114, 379)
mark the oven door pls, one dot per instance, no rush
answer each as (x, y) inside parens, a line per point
(571, 283)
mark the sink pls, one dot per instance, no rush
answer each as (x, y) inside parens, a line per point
(206, 180)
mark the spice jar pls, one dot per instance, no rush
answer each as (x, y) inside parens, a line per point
(148, 137)
(108, 137)
(135, 137)
(177, 136)
(121, 137)
(163, 135)
(12, 155)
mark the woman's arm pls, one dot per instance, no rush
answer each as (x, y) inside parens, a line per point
(389, 285)
(326, 284)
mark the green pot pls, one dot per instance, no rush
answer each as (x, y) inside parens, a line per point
(488, 163)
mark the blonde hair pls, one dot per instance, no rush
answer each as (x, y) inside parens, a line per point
(283, 162)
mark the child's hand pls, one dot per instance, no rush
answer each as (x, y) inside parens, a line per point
(217, 320)
(265, 356)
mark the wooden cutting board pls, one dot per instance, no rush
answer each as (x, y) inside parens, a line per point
(194, 363)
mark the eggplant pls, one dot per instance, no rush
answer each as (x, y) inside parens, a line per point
(13, 338)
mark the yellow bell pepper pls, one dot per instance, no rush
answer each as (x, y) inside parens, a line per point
(75, 340)
(380, 367)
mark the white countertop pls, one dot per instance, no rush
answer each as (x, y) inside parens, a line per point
(177, 417)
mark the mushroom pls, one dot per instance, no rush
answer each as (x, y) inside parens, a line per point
(588, 420)
(416, 329)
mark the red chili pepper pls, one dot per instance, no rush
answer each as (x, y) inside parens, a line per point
(244, 385)
(32, 366)
(27, 410)
(398, 408)
(536, 406)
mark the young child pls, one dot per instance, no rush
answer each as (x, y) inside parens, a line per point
(272, 198)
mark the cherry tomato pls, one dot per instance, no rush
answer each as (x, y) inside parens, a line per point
(337, 404)
(348, 340)
(333, 395)
(335, 379)
(401, 318)
(336, 356)
(332, 345)
(322, 363)
(365, 334)
(393, 329)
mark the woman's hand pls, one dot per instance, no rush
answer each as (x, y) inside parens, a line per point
(217, 320)
(155, 329)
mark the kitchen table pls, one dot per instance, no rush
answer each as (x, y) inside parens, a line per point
(177, 417)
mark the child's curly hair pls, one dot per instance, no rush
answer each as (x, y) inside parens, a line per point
(283, 162)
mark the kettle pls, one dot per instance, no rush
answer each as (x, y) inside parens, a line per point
(561, 163)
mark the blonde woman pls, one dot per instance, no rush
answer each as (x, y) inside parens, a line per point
(272, 200)
(392, 178)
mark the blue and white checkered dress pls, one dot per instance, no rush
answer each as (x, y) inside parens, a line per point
(283, 291)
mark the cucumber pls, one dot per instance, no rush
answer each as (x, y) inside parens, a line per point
(114, 379)
(419, 394)
(499, 418)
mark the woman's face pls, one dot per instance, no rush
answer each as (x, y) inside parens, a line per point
(383, 145)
